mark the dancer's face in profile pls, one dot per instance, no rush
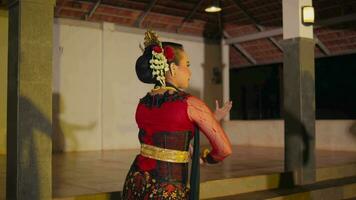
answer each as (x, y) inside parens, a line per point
(181, 73)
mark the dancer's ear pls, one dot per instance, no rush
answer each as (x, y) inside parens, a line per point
(173, 68)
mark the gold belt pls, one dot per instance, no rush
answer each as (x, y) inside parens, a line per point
(167, 155)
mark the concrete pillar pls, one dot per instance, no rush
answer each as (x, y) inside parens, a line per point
(299, 93)
(226, 74)
(29, 102)
(213, 88)
(3, 95)
(213, 79)
(3, 78)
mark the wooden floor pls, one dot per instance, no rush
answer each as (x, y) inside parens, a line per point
(104, 171)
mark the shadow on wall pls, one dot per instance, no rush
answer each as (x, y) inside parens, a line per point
(353, 130)
(64, 131)
(64, 137)
(299, 132)
(35, 128)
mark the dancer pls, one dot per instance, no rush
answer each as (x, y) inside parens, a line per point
(168, 119)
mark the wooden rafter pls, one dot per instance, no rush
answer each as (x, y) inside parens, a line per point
(256, 23)
(242, 50)
(92, 11)
(279, 31)
(321, 45)
(190, 15)
(143, 15)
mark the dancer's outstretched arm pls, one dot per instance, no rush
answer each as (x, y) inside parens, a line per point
(200, 114)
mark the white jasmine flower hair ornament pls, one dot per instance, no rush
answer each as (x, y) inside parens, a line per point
(160, 57)
(159, 65)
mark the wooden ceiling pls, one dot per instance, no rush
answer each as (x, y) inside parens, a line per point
(238, 18)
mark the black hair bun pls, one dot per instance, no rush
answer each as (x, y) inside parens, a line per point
(143, 70)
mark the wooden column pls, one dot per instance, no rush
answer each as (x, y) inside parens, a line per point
(29, 102)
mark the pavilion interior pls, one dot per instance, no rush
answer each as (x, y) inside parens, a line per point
(235, 54)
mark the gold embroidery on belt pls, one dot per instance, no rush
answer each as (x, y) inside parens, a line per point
(167, 155)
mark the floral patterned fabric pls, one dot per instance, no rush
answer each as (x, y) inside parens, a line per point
(141, 185)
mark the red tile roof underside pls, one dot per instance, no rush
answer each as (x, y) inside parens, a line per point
(238, 18)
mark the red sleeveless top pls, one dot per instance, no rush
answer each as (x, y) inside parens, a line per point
(178, 113)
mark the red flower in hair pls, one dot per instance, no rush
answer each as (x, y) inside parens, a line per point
(169, 53)
(157, 49)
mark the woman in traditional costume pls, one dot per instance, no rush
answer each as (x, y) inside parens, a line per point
(168, 119)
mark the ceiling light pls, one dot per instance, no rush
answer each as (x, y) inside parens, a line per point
(213, 7)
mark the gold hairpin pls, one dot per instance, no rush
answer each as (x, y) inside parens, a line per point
(151, 38)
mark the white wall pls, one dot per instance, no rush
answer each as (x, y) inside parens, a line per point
(338, 135)
(94, 75)
(77, 87)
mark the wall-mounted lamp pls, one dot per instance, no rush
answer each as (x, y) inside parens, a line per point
(213, 7)
(308, 15)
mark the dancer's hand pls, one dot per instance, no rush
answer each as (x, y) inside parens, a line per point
(220, 113)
